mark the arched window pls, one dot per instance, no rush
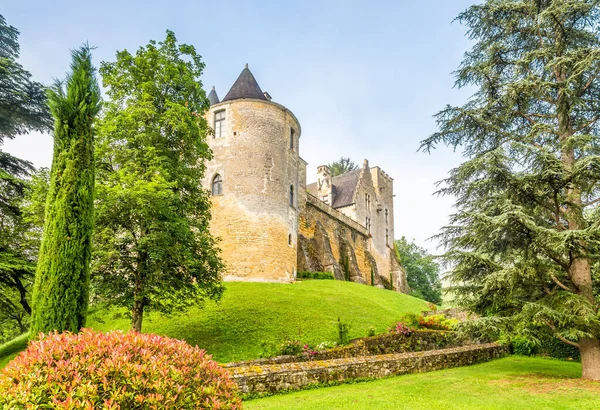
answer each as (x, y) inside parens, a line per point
(291, 195)
(217, 185)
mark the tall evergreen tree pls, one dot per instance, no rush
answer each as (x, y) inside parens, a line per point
(152, 246)
(525, 241)
(60, 295)
(22, 108)
(342, 166)
(22, 101)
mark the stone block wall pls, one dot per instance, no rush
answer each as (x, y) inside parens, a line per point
(274, 378)
(391, 343)
(328, 240)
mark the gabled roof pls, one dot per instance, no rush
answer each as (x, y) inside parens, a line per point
(213, 97)
(245, 87)
(344, 187)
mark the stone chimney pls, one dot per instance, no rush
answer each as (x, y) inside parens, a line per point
(324, 186)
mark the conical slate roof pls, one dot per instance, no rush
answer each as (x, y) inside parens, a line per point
(245, 87)
(213, 97)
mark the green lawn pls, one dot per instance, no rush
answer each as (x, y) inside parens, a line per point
(252, 313)
(510, 383)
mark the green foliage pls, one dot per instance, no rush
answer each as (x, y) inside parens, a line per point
(128, 371)
(552, 347)
(522, 346)
(60, 294)
(291, 348)
(22, 108)
(525, 240)
(22, 101)
(152, 245)
(316, 275)
(371, 331)
(422, 272)
(343, 332)
(342, 166)
(510, 383)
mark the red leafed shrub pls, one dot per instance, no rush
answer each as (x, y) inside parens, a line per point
(94, 370)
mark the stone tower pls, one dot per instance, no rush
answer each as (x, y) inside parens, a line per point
(254, 182)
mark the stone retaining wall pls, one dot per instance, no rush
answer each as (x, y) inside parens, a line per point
(274, 378)
(390, 343)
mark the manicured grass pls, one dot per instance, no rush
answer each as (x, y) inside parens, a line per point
(4, 360)
(12, 347)
(254, 313)
(511, 383)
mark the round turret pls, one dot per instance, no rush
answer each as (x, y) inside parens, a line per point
(254, 182)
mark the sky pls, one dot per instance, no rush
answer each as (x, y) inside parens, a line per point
(365, 79)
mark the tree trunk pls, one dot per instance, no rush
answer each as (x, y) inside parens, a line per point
(137, 312)
(23, 296)
(590, 358)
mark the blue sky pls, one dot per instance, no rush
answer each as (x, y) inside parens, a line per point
(363, 78)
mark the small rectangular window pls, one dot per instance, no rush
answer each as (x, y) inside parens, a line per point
(387, 237)
(219, 123)
(292, 138)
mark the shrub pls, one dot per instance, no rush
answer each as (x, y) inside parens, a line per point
(115, 371)
(343, 332)
(371, 331)
(401, 328)
(551, 346)
(316, 275)
(437, 322)
(411, 320)
(522, 346)
(291, 348)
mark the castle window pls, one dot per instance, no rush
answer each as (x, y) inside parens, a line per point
(387, 237)
(291, 195)
(290, 239)
(386, 216)
(368, 224)
(217, 185)
(292, 138)
(219, 123)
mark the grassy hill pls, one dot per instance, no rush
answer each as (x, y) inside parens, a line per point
(251, 314)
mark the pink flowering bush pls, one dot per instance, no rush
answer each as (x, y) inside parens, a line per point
(401, 328)
(94, 370)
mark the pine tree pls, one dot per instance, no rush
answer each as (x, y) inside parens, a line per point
(152, 245)
(22, 108)
(342, 166)
(60, 295)
(524, 243)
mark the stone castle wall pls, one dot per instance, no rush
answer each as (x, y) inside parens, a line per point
(330, 241)
(258, 166)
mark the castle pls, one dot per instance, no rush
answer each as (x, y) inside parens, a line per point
(271, 223)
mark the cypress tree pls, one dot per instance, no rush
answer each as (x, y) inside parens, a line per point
(60, 294)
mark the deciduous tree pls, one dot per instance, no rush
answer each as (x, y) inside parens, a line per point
(422, 272)
(153, 249)
(524, 243)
